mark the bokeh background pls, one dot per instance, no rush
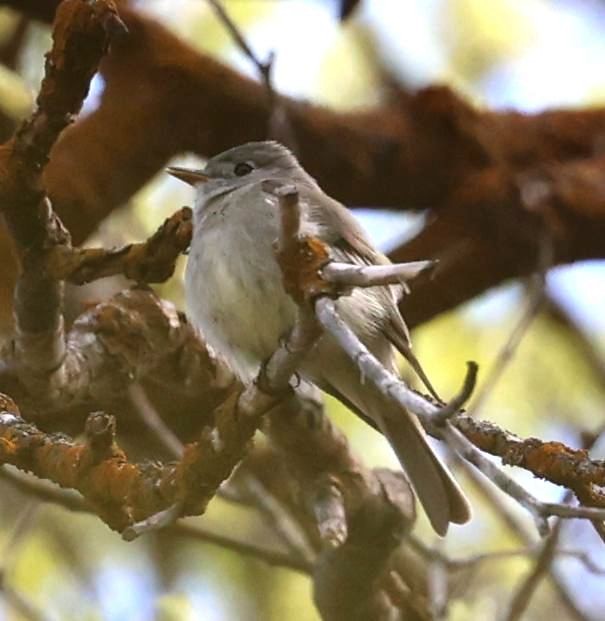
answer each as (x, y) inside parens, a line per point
(528, 55)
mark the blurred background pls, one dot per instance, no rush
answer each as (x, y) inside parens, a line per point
(529, 56)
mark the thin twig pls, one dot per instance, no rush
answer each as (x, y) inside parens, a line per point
(504, 357)
(535, 300)
(159, 494)
(150, 417)
(247, 548)
(151, 261)
(282, 523)
(519, 529)
(279, 126)
(579, 555)
(510, 515)
(285, 360)
(81, 37)
(263, 68)
(591, 355)
(503, 555)
(526, 589)
(374, 275)
(455, 404)
(43, 490)
(544, 559)
(588, 345)
(157, 521)
(48, 492)
(153, 421)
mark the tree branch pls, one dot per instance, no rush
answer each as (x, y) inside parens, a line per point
(73, 502)
(152, 261)
(80, 38)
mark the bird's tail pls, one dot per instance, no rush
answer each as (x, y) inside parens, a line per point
(438, 492)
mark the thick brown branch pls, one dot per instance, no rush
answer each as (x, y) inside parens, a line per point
(80, 38)
(120, 341)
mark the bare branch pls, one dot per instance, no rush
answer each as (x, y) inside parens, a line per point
(544, 559)
(317, 458)
(72, 502)
(152, 261)
(125, 493)
(264, 68)
(153, 421)
(346, 533)
(43, 490)
(80, 38)
(455, 404)
(393, 154)
(531, 551)
(279, 126)
(288, 530)
(162, 519)
(247, 548)
(150, 497)
(535, 300)
(526, 589)
(374, 275)
(579, 555)
(113, 344)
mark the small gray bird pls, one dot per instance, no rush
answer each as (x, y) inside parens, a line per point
(235, 297)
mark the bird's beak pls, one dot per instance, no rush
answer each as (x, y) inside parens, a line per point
(188, 175)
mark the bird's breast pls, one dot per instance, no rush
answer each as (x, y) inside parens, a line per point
(233, 284)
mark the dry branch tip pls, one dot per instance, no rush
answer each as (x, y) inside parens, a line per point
(455, 405)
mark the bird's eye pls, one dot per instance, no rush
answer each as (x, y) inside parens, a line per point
(243, 168)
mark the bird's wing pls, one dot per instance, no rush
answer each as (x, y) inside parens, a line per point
(340, 229)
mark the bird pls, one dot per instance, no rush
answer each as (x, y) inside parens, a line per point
(235, 297)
